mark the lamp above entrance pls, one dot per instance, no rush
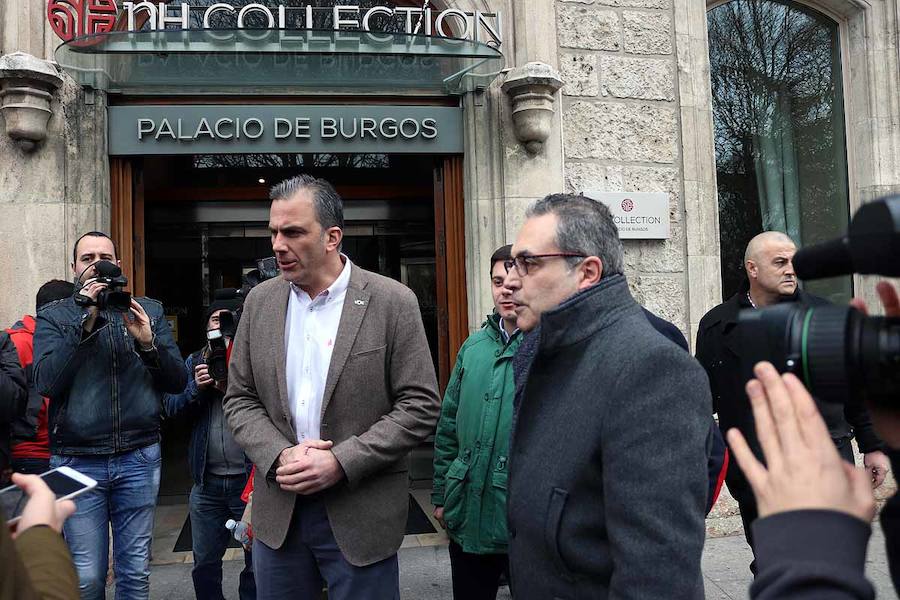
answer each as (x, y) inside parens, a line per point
(27, 85)
(532, 92)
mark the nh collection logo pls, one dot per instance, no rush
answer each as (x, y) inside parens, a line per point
(628, 205)
(70, 19)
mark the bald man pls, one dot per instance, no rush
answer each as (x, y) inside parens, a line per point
(770, 280)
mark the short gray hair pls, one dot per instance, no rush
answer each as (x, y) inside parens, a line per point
(327, 202)
(584, 226)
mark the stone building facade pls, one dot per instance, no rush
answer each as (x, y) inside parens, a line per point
(623, 87)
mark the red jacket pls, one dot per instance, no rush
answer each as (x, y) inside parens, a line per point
(29, 432)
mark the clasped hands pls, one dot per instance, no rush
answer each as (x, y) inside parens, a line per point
(308, 468)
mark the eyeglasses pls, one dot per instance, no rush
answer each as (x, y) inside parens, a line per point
(523, 262)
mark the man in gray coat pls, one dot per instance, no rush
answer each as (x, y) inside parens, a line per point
(608, 481)
(330, 386)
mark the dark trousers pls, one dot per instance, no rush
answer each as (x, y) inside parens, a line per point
(310, 557)
(742, 492)
(212, 504)
(30, 466)
(476, 576)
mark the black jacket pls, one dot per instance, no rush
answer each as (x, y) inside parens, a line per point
(608, 482)
(811, 555)
(13, 393)
(720, 351)
(197, 404)
(106, 395)
(798, 558)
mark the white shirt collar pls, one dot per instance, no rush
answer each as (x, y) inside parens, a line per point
(336, 290)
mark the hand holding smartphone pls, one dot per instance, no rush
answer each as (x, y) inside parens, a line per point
(43, 500)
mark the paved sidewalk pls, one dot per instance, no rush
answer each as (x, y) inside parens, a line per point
(425, 572)
(425, 564)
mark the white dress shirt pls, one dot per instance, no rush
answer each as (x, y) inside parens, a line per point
(310, 331)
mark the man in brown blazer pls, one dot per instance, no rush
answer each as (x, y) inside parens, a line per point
(330, 386)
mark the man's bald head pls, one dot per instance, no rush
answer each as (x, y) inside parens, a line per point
(763, 240)
(770, 270)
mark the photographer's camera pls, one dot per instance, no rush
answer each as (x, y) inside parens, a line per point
(112, 297)
(838, 352)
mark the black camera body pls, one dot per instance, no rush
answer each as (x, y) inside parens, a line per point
(217, 349)
(266, 268)
(840, 354)
(111, 298)
(217, 355)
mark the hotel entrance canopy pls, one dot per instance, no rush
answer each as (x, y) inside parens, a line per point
(263, 61)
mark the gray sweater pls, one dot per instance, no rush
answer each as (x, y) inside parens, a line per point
(608, 480)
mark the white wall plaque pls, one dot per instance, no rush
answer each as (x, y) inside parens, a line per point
(638, 215)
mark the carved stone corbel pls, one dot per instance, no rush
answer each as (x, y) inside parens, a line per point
(532, 90)
(27, 84)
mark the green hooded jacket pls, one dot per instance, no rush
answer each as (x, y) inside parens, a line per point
(471, 447)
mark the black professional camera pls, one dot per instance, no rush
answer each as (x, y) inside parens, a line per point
(839, 353)
(217, 355)
(217, 352)
(111, 298)
(266, 268)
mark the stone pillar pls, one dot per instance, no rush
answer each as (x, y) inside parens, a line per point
(23, 28)
(502, 176)
(59, 190)
(621, 128)
(698, 162)
(872, 104)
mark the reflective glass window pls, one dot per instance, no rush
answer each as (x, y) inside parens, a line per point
(780, 144)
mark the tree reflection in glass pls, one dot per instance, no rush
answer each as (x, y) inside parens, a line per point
(779, 130)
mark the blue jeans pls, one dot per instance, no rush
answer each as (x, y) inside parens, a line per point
(125, 497)
(213, 503)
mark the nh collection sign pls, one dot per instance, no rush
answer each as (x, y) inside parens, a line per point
(233, 129)
(74, 18)
(637, 215)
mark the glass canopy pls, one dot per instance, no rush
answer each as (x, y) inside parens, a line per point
(241, 61)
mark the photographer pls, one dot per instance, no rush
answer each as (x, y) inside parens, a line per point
(106, 369)
(218, 465)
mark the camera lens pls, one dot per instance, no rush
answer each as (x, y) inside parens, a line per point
(836, 351)
(825, 351)
(117, 301)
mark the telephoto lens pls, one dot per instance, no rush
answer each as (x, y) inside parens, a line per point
(839, 353)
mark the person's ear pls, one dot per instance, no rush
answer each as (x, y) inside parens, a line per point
(591, 271)
(333, 238)
(750, 267)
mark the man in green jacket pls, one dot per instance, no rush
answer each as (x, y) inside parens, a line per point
(471, 448)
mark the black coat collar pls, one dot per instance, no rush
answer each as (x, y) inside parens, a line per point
(586, 313)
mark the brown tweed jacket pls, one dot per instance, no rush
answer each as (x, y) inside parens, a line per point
(380, 402)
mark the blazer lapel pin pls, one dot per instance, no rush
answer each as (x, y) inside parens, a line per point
(359, 302)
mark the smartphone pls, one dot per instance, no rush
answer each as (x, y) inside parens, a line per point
(65, 482)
